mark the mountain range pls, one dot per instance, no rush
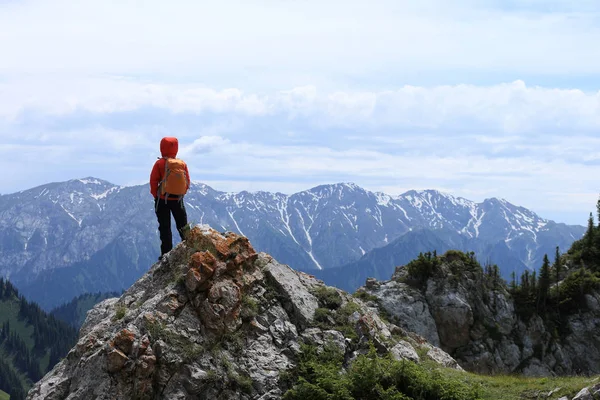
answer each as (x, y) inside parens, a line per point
(63, 239)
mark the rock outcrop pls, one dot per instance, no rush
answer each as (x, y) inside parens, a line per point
(480, 329)
(216, 320)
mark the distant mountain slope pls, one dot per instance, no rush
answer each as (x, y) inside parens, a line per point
(75, 311)
(87, 235)
(380, 263)
(31, 342)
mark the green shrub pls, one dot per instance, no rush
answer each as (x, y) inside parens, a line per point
(320, 376)
(120, 312)
(343, 313)
(365, 296)
(323, 316)
(250, 307)
(328, 297)
(422, 268)
(574, 287)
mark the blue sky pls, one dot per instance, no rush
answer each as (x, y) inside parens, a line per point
(476, 98)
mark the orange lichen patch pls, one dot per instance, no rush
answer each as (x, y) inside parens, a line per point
(123, 341)
(196, 279)
(218, 268)
(208, 270)
(221, 246)
(202, 259)
(240, 244)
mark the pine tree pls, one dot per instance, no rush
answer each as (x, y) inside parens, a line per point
(557, 265)
(533, 281)
(513, 281)
(588, 252)
(544, 284)
(496, 274)
(589, 234)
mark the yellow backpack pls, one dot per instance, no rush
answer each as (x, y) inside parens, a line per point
(175, 179)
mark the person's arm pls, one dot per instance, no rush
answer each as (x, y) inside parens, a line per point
(155, 179)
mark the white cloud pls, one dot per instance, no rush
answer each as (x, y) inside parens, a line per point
(512, 107)
(205, 144)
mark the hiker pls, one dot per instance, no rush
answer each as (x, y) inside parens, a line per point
(169, 182)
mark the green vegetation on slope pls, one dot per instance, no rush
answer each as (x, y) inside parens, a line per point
(4, 395)
(74, 312)
(320, 376)
(31, 342)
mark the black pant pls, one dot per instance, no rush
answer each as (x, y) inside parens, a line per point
(163, 213)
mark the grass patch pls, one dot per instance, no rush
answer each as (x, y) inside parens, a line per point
(4, 396)
(120, 312)
(508, 387)
(250, 307)
(422, 352)
(241, 381)
(187, 349)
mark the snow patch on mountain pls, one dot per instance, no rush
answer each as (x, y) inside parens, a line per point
(91, 181)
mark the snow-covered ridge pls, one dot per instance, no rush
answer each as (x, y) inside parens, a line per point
(323, 227)
(91, 181)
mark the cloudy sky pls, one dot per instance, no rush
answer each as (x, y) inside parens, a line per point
(478, 98)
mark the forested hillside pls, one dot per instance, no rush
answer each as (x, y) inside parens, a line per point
(31, 342)
(74, 312)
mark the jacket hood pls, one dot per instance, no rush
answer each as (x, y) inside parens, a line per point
(169, 147)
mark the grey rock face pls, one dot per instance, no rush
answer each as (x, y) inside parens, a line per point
(409, 306)
(452, 314)
(404, 351)
(299, 300)
(480, 329)
(443, 358)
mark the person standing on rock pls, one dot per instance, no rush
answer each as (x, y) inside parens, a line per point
(169, 182)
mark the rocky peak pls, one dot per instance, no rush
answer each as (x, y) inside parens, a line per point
(216, 320)
(451, 302)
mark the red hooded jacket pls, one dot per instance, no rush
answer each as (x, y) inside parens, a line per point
(168, 149)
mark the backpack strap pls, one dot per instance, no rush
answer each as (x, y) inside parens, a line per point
(165, 176)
